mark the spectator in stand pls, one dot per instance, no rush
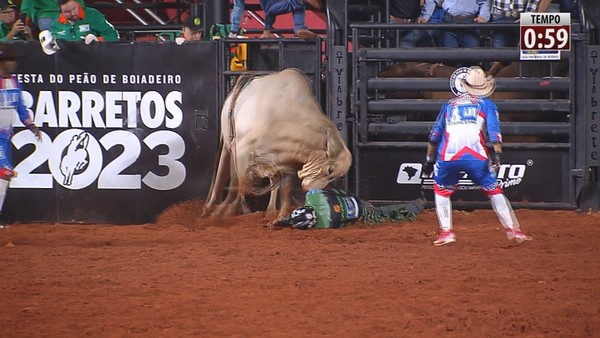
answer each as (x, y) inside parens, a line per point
(459, 12)
(273, 8)
(236, 18)
(11, 27)
(192, 30)
(408, 11)
(543, 6)
(42, 12)
(507, 11)
(436, 17)
(316, 4)
(78, 23)
(562, 6)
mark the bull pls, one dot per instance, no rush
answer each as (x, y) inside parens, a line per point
(273, 128)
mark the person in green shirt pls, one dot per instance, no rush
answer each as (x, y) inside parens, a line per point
(42, 12)
(12, 28)
(332, 208)
(78, 23)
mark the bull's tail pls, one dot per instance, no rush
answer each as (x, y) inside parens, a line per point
(274, 183)
(211, 190)
(255, 180)
(224, 155)
(240, 84)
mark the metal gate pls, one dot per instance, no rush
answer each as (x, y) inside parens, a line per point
(544, 164)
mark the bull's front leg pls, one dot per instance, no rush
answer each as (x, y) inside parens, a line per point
(272, 206)
(286, 189)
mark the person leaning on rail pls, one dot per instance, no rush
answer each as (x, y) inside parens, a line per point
(78, 23)
(192, 30)
(42, 12)
(508, 11)
(236, 19)
(274, 8)
(404, 12)
(459, 12)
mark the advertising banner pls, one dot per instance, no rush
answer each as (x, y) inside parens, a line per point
(525, 176)
(128, 130)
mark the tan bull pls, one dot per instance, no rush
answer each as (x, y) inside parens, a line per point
(273, 128)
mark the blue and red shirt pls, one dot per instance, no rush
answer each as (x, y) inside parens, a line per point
(461, 125)
(11, 102)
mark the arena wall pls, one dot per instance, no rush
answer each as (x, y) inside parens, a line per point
(128, 129)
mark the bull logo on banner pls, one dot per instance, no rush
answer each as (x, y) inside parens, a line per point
(75, 157)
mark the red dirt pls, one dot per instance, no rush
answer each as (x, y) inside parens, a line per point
(185, 276)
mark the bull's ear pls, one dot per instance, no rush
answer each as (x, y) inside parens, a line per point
(334, 146)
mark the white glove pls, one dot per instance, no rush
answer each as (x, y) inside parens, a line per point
(90, 38)
(180, 41)
(48, 42)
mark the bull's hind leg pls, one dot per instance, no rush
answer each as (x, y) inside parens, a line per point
(222, 174)
(232, 203)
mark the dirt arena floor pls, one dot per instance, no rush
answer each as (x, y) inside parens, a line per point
(187, 277)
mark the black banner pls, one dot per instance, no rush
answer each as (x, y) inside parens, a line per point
(525, 176)
(128, 130)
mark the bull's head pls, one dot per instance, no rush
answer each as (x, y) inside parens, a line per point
(327, 165)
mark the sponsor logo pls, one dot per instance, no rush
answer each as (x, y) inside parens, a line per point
(352, 210)
(455, 81)
(101, 137)
(410, 173)
(509, 175)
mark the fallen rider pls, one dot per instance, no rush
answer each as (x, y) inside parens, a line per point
(332, 208)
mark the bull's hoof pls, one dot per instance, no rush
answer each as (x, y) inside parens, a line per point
(226, 210)
(206, 211)
(272, 213)
(276, 223)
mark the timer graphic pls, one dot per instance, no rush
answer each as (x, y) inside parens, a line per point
(545, 31)
(545, 37)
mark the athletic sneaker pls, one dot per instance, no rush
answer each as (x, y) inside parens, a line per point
(518, 236)
(445, 237)
(235, 36)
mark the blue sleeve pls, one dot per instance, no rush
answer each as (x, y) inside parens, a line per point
(21, 109)
(435, 135)
(485, 7)
(492, 120)
(427, 9)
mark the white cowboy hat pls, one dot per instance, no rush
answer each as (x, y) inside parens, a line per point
(477, 83)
